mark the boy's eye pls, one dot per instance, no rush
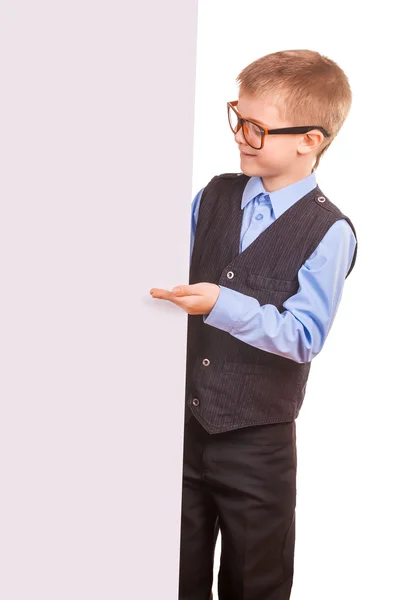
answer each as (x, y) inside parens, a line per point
(253, 128)
(252, 134)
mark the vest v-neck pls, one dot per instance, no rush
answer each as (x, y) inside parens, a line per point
(259, 241)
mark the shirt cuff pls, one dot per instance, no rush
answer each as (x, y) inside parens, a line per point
(227, 310)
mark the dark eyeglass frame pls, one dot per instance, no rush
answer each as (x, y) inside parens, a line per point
(264, 131)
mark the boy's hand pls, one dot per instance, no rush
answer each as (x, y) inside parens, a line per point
(196, 299)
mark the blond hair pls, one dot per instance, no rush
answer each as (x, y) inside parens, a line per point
(311, 89)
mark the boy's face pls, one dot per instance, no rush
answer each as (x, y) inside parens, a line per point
(280, 154)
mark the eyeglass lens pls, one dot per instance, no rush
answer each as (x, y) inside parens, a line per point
(251, 132)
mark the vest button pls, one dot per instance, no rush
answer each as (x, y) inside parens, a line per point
(206, 362)
(195, 402)
(321, 199)
(230, 275)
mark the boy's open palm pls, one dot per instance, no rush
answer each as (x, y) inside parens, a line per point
(196, 299)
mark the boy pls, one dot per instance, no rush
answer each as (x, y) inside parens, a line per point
(270, 254)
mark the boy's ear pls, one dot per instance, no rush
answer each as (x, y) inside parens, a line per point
(310, 142)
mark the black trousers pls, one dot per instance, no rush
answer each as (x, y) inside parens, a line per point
(243, 484)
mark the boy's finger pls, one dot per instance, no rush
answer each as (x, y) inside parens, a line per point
(166, 295)
(162, 294)
(186, 290)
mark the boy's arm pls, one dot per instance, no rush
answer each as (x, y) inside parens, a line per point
(194, 217)
(300, 331)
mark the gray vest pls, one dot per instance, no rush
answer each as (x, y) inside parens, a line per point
(231, 384)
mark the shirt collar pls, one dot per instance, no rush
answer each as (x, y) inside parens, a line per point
(282, 199)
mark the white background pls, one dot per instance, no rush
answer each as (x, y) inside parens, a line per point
(348, 448)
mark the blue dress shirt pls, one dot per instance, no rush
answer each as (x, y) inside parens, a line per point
(300, 331)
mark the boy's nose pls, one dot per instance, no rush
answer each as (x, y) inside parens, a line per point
(239, 137)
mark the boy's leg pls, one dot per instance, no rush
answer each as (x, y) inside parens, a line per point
(253, 475)
(199, 522)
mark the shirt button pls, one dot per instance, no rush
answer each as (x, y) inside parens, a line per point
(230, 275)
(195, 402)
(206, 362)
(259, 217)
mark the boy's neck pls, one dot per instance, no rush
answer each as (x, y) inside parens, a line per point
(275, 183)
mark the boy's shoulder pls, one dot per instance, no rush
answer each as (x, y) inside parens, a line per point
(227, 176)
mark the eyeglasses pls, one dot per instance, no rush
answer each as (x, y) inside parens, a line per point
(255, 133)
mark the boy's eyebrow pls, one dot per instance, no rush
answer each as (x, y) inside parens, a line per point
(254, 120)
(260, 123)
